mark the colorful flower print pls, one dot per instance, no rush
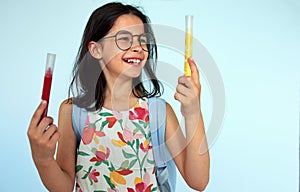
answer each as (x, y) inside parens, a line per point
(118, 143)
(101, 155)
(116, 178)
(145, 146)
(88, 134)
(139, 113)
(115, 153)
(142, 185)
(93, 175)
(127, 136)
(124, 171)
(111, 121)
(89, 131)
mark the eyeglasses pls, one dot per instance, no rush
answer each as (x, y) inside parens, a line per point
(124, 40)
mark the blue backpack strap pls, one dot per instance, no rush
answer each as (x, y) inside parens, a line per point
(165, 166)
(79, 116)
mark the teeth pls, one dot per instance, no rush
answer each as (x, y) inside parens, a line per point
(133, 60)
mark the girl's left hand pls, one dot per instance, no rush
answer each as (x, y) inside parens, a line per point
(188, 91)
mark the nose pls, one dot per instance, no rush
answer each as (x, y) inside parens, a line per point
(136, 47)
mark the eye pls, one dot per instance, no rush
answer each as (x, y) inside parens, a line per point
(124, 38)
(143, 39)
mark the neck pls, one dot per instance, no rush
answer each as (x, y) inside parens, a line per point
(117, 89)
(118, 95)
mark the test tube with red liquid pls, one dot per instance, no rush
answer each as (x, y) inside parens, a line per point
(48, 80)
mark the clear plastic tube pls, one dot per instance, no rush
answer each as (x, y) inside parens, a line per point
(188, 43)
(48, 79)
(50, 62)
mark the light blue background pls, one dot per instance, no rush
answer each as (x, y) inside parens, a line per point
(254, 43)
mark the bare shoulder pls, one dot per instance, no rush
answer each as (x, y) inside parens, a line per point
(66, 107)
(65, 116)
(168, 106)
(169, 111)
(172, 123)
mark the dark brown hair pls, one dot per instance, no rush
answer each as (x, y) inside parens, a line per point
(88, 83)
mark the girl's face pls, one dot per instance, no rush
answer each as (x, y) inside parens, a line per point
(119, 59)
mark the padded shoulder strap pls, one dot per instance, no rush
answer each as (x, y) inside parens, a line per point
(157, 116)
(165, 166)
(79, 116)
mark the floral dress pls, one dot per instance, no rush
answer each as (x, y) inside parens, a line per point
(115, 153)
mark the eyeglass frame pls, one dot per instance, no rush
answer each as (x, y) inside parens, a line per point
(132, 36)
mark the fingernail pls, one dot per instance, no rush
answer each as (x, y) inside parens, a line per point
(191, 59)
(44, 102)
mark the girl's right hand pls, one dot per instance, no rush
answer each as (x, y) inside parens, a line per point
(43, 136)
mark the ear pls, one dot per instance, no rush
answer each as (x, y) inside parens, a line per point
(95, 49)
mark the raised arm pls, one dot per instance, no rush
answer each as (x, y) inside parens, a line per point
(56, 174)
(190, 153)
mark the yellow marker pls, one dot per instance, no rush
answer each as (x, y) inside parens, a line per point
(188, 43)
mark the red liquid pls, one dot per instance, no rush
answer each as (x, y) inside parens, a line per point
(46, 89)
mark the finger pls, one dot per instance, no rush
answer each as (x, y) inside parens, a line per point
(36, 118)
(182, 89)
(184, 80)
(181, 80)
(54, 138)
(49, 138)
(194, 71)
(179, 97)
(49, 132)
(44, 124)
(187, 82)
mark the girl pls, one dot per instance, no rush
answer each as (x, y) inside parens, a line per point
(115, 153)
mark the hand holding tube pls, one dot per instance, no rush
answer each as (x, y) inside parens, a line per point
(48, 80)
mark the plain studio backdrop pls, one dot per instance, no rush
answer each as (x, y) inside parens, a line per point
(254, 45)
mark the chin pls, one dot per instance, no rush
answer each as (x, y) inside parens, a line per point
(135, 75)
(134, 71)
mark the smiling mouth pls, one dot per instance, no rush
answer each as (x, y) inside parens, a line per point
(132, 61)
